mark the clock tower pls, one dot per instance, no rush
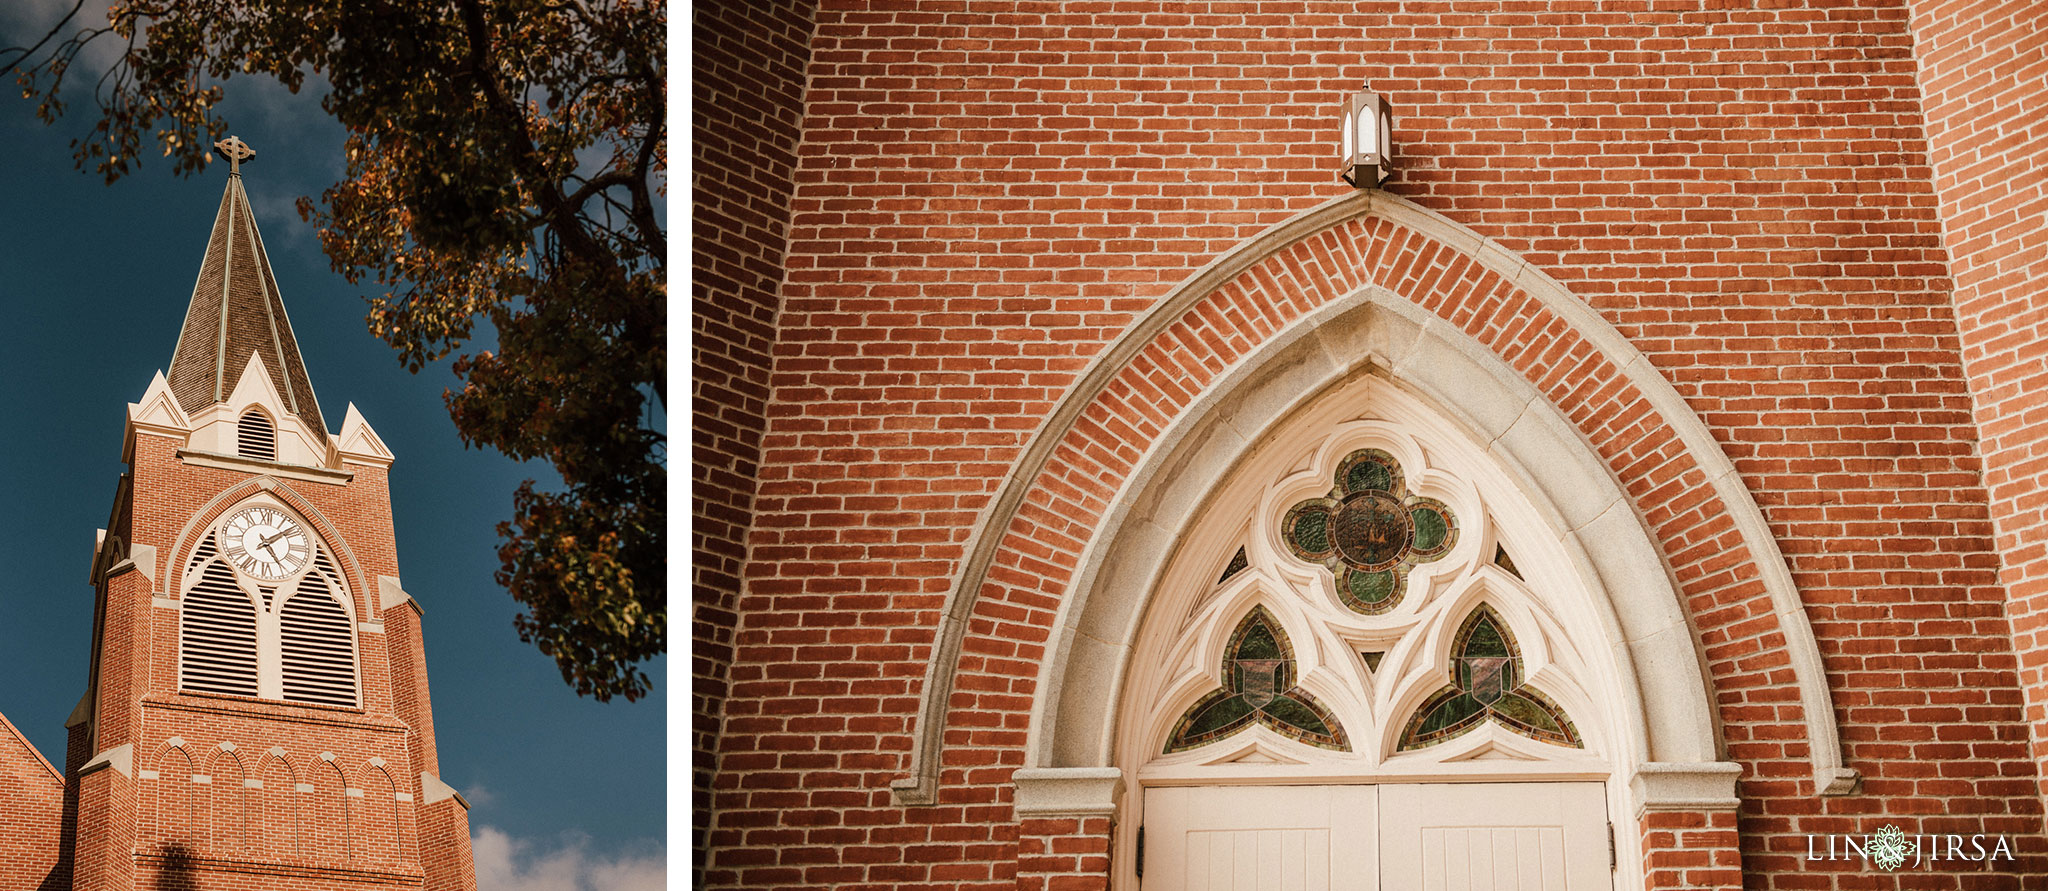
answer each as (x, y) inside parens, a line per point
(257, 714)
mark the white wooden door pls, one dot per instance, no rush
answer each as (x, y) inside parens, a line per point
(1261, 838)
(1424, 837)
(1494, 837)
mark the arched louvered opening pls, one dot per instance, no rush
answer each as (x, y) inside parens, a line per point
(318, 646)
(217, 636)
(206, 549)
(256, 437)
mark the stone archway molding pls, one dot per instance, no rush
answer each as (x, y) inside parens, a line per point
(1515, 406)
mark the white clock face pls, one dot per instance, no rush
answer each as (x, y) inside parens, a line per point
(265, 542)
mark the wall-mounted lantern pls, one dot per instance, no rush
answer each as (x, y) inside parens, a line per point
(1368, 141)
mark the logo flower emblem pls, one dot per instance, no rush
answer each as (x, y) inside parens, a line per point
(1369, 530)
(1889, 848)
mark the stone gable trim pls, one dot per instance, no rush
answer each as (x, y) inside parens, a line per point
(436, 790)
(121, 758)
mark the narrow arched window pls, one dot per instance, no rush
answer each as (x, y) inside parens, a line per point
(256, 437)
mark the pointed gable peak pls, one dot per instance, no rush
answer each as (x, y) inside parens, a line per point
(359, 443)
(158, 408)
(237, 312)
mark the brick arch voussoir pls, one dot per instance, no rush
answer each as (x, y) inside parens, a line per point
(1716, 561)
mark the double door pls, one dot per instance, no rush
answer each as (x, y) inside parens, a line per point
(1428, 837)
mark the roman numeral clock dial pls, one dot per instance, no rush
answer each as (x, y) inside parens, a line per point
(265, 542)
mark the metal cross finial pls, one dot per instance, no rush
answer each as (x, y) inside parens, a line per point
(236, 151)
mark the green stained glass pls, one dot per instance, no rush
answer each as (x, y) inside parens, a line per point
(1452, 713)
(1215, 713)
(1483, 638)
(1486, 684)
(1311, 532)
(1369, 531)
(1368, 470)
(1258, 673)
(1525, 711)
(1369, 592)
(1369, 475)
(1430, 528)
(1256, 642)
(1502, 560)
(1287, 710)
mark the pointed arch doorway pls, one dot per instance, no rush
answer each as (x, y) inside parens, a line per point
(1370, 662)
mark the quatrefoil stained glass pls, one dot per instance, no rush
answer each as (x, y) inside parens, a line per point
(1370, 531)
(1258, 688)
(1487, 684)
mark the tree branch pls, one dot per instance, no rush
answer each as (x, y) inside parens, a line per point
(30, 52)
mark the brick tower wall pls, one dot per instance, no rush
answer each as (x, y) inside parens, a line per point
(987, 194)
(1984, 73)
(747, 88)
(229, 792)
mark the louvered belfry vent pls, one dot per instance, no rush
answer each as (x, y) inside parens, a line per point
(318, 646)
(217, 636)
(255, 437)
(205, 551)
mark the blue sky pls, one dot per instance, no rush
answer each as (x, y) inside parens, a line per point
(568, 794)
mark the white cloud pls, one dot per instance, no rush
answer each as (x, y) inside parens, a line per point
(504, 863)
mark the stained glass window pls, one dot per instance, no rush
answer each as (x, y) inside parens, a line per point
(1258, 687)
(1502, 560)
(1368, 530)
(1486, 684)
(1237, 565)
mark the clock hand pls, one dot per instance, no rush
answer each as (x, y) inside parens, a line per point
(273, 539)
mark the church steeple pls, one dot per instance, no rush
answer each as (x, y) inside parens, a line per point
(236, 312)
(256, 714)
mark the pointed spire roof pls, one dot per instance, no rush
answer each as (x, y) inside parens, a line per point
(236, 311)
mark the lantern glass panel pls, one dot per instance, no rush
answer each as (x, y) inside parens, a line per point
(1364, 120)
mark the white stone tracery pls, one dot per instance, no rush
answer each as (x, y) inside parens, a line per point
(1192, 615)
